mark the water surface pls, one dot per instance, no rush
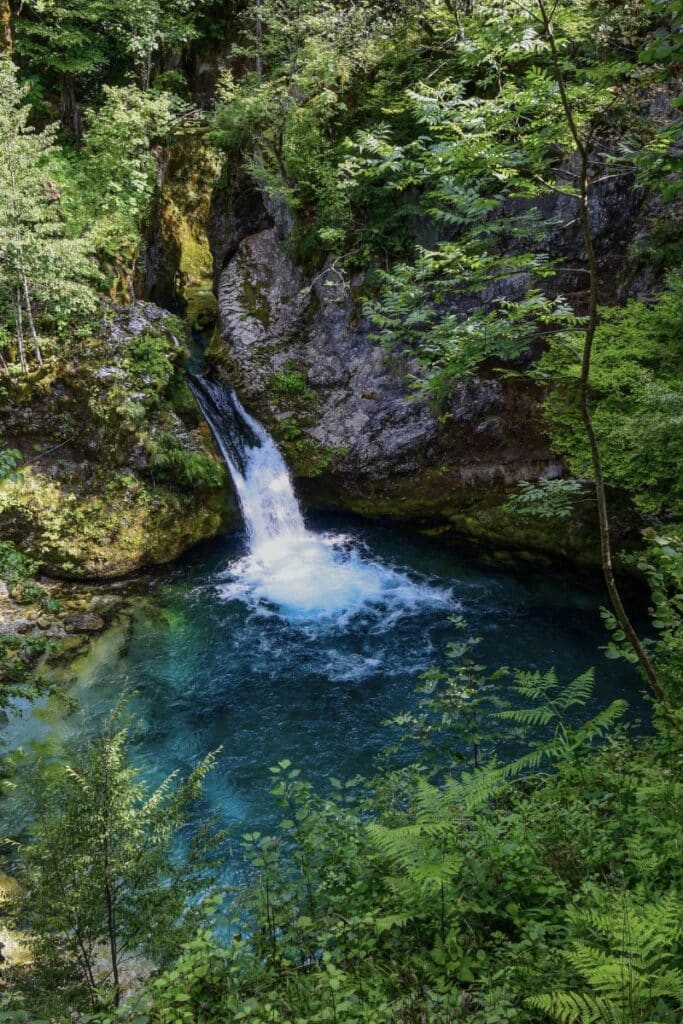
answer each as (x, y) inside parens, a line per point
(303, 654)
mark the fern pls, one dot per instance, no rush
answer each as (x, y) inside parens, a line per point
(574, 1008)
(550, 704)
(627, 966)
(474, 790)
(578, 692)
(533, 717)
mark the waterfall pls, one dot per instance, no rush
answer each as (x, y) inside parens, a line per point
(262, 481)
(306, 575)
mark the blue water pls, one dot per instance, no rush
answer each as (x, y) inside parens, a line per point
(217, 659)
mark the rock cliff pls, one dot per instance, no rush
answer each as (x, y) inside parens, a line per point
(299, 352)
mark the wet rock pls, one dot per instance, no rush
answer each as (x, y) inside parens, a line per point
(85, 622)
(237, 210)
(340, 407)
(119, 472)
(103, 373)
(276, 326)
(104, 604)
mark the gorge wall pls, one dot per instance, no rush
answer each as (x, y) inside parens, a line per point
(120, 472)
(300, 354)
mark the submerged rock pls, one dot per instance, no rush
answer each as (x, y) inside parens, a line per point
(86, 622)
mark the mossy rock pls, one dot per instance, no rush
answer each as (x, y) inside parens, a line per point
(110, 532)
(120, 472)
(440, 505)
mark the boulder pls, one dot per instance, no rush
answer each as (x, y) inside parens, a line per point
(119, 470)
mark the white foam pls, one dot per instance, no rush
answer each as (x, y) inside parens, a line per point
(315, 577)
(305, 576)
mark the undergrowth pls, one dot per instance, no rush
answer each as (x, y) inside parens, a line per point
(466, 886)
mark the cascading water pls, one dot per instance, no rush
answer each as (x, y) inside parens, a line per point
(264, 488)
(305, 574)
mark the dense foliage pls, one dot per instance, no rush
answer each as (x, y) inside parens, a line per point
(480, 900)
(636, 374)
(546, 885)
(501, 162)
(374, 121)
(436, 147)
(521, 867)
(44, 275)
(99, 873)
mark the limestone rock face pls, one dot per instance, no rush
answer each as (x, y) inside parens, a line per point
(301, 356)
(301, 360)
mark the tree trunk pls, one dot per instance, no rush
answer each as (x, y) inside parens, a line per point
(646, 665)
(259, 43)
(29, 315)
(5, 26)
(146, 78)
(624, 621)
(20, 333)
(27, 302)
(113, 945)
(108, 888)
(85, 956)
(70, 111)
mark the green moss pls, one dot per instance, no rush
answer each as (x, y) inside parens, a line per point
(180, 397)
(439, 504)
(183, 216)
(130, 483)
(150, 360)
(309, 458)
(110, 532)
(255, 301)
(289, 393)
(287, 432)
(196, 267)
(290, 383)
(190, 469)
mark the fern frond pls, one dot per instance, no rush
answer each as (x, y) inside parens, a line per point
(578, 692)
(531, 717)
(438, 871)
(573, 1008)
(432, 804)
(602, 722)
(389, 921)
(536, 686)
(626, 962)
(473, 790)
(532, 761)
